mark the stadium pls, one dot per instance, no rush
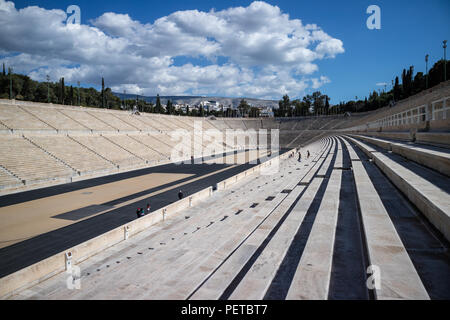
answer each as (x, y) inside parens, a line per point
(369, 197)
(224, 159)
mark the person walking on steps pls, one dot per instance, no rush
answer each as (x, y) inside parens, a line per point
(299, 157)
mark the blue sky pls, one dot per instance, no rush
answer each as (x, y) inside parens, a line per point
(409, 30)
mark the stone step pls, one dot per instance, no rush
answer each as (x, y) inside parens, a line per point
(215, 251)
(175, 257)
(161, 261)
(261, 274)
(441, 139)
(238, 230)
(427, 189)
(404, 136)
(386, 252)
(432, 157)
(312, 277)
(216, 285)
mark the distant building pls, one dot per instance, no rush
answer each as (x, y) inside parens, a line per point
(266, 112)
(210, 105)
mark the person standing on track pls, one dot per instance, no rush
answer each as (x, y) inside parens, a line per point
(180, 195)
(148, 208)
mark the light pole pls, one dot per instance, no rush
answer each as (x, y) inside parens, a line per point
(445, 60)
(426, 71)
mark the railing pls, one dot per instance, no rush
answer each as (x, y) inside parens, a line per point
(440, 106)
(417, 115)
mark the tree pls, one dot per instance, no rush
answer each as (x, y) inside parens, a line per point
(170, 108)
(158, 106)
(301, 108)
(28, 89)
(410, 80)
(407, 82)
(284, 107)
(404, 83)
(63, 89)
(436, 73)
(397, 90)
(103, 92)
(327, 104)
(419, 83)
(243, 107)
(4, 73)
(308, 102)
(254, 112)
(41, 92)
(318, 102)
(111, 100)
(71, 96)
(23, 87)
(10, 82)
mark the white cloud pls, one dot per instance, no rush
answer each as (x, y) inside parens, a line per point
(267, 54)
(318, 82)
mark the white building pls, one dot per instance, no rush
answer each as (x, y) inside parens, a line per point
(266, 112)
(211, 105)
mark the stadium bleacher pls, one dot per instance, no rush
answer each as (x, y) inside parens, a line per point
(30, 163)
(374, 194)
(284, 236)
(421, 120)
(87, 142)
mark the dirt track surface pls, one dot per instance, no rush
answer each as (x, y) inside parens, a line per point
(37, 224)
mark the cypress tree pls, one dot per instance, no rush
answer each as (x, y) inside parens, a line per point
(169, 107)
(63, 95)
(404, 81)
(410, 80)
(158, 104)
(103, 92)
(71, 95)
(10, 82)
(4, 72)
(396, 90)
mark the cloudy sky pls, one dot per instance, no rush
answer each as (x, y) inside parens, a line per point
(225, 48)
